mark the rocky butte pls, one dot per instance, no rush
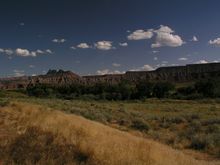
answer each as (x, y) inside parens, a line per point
(174, 74)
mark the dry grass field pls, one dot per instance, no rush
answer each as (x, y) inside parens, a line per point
(183, 124)
(31, 134)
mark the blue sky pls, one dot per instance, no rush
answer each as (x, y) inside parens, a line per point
(106, 36)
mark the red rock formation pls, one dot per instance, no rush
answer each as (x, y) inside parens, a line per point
(171, 74)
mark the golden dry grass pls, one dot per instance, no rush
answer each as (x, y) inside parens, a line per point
(107, 146)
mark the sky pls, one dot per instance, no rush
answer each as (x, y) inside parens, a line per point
(106, 36)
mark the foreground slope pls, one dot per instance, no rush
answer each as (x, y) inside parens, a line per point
(35, 135)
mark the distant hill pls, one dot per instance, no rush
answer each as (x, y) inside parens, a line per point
(174, 74)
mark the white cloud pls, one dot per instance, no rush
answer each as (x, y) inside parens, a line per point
(123, 44)
(40, 51)
(182, 59)
(215, 42)
(164, 62)
(18, 73)
(104, 45)
(141, 35)
(103, 72)
(107, 71)
(194, 39)
(165, 37)
(9, 51)
(174, 64)
(161, 65)
(83, 46)
(23, 52)
(155, 58)
(6, 51)
(59, 40)
(116, 64)
(146, 67)
(26, 53)
(202, 62)
(31, 66)
(155, 51)
(73, 47)
(48, 51)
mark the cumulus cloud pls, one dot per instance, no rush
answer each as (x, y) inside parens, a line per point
(123, 44)
(73, 47)
(48, 51)
(165, 37)
(174, 64)
(194, 39)
(40, 51)
(104, 45)
(202, 62)
(24, 52)
(59, 40)
(27, 53)
(107, 71)
(83, 46)
(155, 51)
(161, 65)
(146, 67)
(18, 73)
(182, 59)
(164, 62)
(6, 51)
(141, 35)
(116, 64)
(215, 42)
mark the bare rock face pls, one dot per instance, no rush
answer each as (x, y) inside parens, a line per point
(14, 83)
(175, 74)
(110, 79)
(56, 78)
(193, 72)
(53, 77)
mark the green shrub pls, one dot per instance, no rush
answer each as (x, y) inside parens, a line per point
(162, 89)
(4, 102)
(140, 125)
(198, 142)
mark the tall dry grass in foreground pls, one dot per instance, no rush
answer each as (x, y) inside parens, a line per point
(60, 138)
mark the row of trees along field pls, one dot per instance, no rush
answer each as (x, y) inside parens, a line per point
(128, 91)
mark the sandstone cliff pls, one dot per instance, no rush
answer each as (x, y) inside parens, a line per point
(175, 74)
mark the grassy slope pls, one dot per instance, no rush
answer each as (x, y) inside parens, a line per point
(96, 143)
(181, 124)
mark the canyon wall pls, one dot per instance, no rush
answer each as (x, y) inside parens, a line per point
(175, 74)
